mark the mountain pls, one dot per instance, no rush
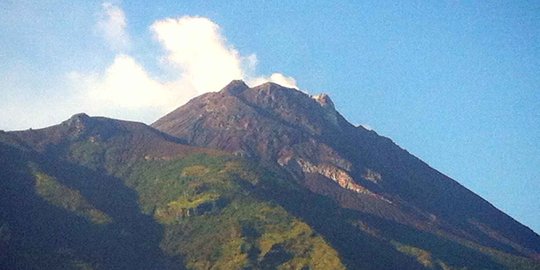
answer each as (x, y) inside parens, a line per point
(306, 138)
(97, 193)
(244, 178)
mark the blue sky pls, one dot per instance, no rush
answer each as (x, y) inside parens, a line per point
(455, 83)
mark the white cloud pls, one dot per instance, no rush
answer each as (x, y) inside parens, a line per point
(278, 78)
(126, 84)
(30, 113)
(195, 49)
(112, 25)
(196, 46)
(125, 90)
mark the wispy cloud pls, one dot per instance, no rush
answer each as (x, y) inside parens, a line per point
(194, 48)
(278, 78)
(112, 25)
(126, 84)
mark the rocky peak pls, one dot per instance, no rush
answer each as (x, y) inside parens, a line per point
(79, 117)
(269, 86)
(235, 87)
(324, 100)
(268, 122)
(81, 126)
(275, 90)
(269, 106)
(78, 121)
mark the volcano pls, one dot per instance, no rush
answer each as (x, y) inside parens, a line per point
(263, 177)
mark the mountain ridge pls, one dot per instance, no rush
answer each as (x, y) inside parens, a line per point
(245, 178)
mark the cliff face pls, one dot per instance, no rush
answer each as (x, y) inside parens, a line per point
(306, 137)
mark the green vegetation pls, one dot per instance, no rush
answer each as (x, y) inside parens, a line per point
(198, 211)
(247, 234)
(422, 256)
(59, 195)
(89, 153)
(214, 221)
(183, 207)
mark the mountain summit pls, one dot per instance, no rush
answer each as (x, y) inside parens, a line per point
(263, 177)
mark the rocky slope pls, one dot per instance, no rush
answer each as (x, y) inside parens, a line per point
(306, 137)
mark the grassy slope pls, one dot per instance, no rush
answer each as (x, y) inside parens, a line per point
(202, 204)
(213, 221)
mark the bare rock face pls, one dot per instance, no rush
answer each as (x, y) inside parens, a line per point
(270, 123)
(306, 137)
(341, 177)
(284, 127)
